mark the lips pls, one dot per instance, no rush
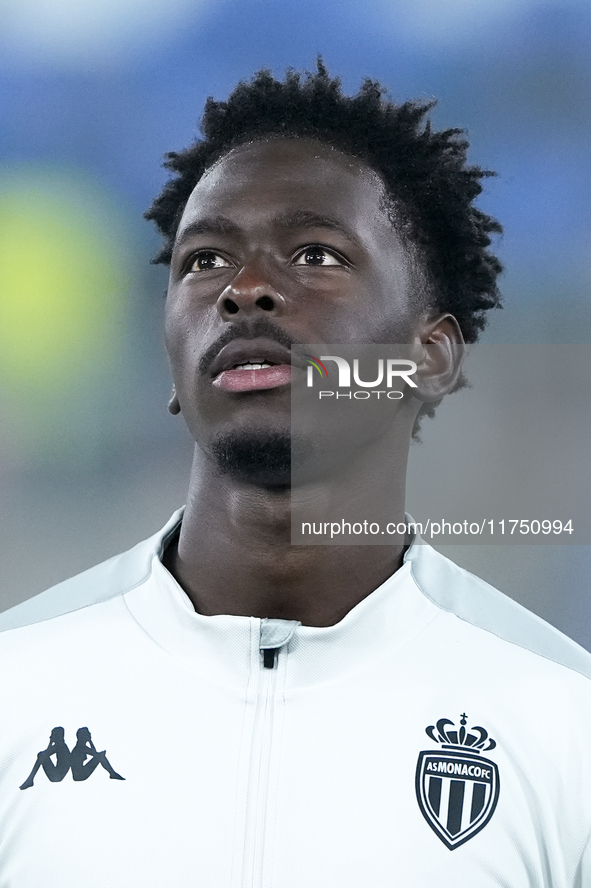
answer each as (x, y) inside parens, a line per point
(251, 365)
(254, 380)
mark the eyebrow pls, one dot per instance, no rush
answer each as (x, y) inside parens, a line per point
(216, 225)
(293, 219)
(289, 220)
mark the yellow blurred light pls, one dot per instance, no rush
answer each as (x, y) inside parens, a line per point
(63, 278)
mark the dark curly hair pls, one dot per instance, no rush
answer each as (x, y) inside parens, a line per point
(429, 186)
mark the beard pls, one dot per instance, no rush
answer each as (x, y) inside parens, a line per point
(260, 458)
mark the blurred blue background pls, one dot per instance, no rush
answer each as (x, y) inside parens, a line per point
(91, 97)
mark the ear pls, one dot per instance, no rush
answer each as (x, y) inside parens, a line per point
(173, 405)
(439, 351)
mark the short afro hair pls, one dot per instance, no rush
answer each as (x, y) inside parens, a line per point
(430, 187)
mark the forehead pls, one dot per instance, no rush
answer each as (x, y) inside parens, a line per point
(286, 174)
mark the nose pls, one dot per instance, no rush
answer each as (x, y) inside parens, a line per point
(250, 293)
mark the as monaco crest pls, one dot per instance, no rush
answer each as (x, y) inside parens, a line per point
(457, 788)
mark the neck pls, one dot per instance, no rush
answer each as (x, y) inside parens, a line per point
(234, 554)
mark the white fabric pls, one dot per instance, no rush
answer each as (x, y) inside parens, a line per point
(296, 776)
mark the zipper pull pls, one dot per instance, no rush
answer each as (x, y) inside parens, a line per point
(275, 634)
(269, 657)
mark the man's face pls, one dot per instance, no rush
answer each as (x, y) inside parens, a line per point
(282, 241)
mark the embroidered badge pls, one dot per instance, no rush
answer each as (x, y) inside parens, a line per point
(58, 759)
(457, 788)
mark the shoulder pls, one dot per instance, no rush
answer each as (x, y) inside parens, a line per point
(478, 605)
(100, 584)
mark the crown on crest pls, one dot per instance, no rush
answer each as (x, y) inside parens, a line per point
(460, 739)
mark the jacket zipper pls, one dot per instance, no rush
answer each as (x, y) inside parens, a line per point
(274, 636)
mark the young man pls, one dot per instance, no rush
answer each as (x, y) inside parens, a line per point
(281, 715)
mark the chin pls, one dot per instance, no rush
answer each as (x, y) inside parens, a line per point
(259, 458)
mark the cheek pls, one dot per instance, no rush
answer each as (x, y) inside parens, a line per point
(174, 334)
(179, 337)
(183, 327)
(393, 306)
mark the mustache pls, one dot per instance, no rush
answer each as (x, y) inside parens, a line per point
(262, 328)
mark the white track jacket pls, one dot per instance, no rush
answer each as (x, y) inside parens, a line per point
(439, 735)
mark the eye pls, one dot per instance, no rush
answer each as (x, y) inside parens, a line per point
(316, 255)
(206, 260)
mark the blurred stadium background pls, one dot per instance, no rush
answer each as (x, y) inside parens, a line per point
(93, 94)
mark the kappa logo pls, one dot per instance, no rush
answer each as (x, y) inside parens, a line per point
(457, 788)
(58, 759)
